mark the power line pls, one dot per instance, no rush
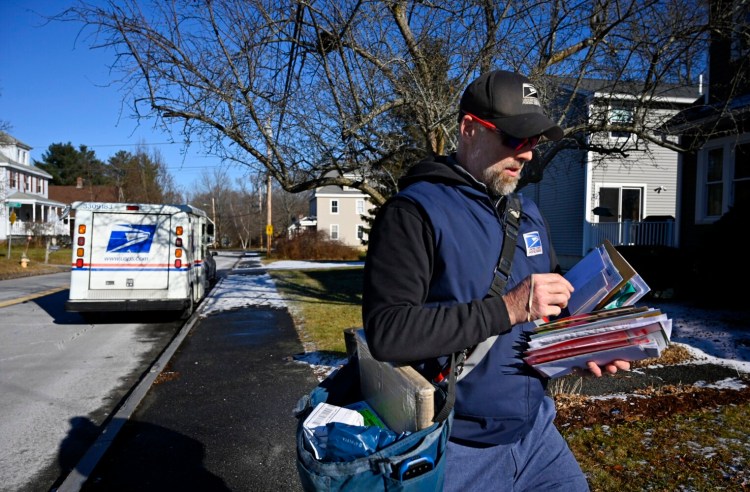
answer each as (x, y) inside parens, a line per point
(145, 144)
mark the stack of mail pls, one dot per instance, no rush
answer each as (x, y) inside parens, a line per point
(601, 323)
(628, 333)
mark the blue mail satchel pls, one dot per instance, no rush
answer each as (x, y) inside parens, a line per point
(414, 462)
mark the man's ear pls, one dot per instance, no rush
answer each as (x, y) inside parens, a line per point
(467, 126)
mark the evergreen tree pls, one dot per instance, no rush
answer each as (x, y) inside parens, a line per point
(66, 165)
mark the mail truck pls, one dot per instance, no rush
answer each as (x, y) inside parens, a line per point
(139, 257)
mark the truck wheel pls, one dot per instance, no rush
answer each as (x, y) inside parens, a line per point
(190, 307)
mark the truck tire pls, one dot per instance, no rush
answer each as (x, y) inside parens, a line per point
(190, 306)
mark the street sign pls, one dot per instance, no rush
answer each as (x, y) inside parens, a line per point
(269, 230)
(13, 205)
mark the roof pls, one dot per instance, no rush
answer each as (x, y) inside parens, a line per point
(6, 161)
(28, 198)
(336, 189)
(98, 193)
(7, 139)
(716, 116)
(625, 89)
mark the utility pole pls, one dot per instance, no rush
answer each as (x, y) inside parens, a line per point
(260, 212)
(216, 226)
(269, 224)
(11, 221)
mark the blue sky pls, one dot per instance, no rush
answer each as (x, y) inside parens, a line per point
(54, 89)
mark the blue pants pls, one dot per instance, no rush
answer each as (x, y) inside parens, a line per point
(539, 461)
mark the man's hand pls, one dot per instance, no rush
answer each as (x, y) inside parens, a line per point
(611, 368)
(538, 296)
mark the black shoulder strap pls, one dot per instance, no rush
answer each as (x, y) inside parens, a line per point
(511, 226)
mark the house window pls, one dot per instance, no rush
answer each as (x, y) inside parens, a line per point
(723, 177)
(334, 231)
(360, 207)
(39, 186)
(13, 179)
(620, 115)
(360, 232)
(334, 206)
(741, 191)
(714, 182)
(621, 203)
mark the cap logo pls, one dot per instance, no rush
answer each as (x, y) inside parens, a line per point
(530, 95)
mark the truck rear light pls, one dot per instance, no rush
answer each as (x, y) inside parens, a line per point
(178, 253)
(178, 230)
(79, 252)
(178, 263)
(178, 242)
(81, 240)
(79, 263)
(132, 207)
(82, 229)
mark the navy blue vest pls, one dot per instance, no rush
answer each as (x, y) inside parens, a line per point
(499, 400)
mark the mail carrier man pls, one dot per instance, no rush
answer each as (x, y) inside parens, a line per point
(431, 256)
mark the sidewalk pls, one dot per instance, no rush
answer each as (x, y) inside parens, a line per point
(219, 417)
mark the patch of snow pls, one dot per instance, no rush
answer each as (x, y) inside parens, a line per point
(238, 291)
(728, 383)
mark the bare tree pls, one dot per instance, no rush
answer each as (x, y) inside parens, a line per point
(298, 88)
(215, 196)
(246, 218)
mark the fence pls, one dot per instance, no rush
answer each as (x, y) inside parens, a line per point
(632, 233)
(28, 228)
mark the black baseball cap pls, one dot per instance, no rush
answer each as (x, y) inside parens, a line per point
(509, 101)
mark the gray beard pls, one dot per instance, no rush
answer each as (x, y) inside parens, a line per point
(498, 183)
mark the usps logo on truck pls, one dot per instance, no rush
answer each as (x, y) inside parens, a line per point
(129, 238)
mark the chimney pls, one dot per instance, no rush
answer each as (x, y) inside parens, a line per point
(79, 182)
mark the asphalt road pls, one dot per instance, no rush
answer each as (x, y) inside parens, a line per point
(219, 417)
(60, 372)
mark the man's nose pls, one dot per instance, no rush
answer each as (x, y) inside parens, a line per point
(525, 155)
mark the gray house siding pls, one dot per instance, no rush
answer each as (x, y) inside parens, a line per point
(560, 197)
(571, 187)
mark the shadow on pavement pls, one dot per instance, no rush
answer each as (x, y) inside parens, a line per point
(163, 459)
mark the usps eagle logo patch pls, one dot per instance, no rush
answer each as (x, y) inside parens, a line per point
(533, 243)
(530, 95)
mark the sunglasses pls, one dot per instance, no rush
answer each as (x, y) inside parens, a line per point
(508, 140)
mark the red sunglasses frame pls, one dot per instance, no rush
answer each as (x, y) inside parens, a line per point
(509, 141)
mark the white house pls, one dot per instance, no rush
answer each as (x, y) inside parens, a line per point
(628, 199)
(337, 211)
(26, 208)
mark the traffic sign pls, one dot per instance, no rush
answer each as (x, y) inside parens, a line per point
(269, 230)
(13, 205)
